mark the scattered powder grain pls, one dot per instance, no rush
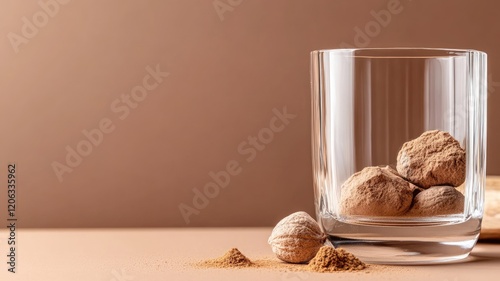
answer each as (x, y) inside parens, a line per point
(232, 258)
(323, 262)
(329, 259)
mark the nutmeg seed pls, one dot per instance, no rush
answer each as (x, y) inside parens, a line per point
(296, 238)
(376, 191)
(434, 158)
(437, 200)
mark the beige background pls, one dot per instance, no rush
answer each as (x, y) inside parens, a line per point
(226, 77)
(167, 254)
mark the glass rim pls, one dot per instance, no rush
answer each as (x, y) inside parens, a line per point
(399, 52)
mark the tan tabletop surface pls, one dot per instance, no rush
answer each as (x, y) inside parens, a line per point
(167, 254)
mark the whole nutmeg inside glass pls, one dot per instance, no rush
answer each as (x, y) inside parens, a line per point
(399, 151)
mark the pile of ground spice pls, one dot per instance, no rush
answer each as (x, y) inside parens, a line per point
(232, 258)
(329, 259)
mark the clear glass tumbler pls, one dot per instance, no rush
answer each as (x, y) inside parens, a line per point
(366, 103)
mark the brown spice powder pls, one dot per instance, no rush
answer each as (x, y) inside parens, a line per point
(232, 258)
(329, 259)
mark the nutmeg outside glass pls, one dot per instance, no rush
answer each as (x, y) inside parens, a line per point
(365, 104)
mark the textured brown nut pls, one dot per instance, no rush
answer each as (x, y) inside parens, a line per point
(296, 238)
(376, 191)
(437, 200)
(434, 158)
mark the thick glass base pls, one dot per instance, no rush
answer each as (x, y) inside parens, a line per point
(404, 243)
